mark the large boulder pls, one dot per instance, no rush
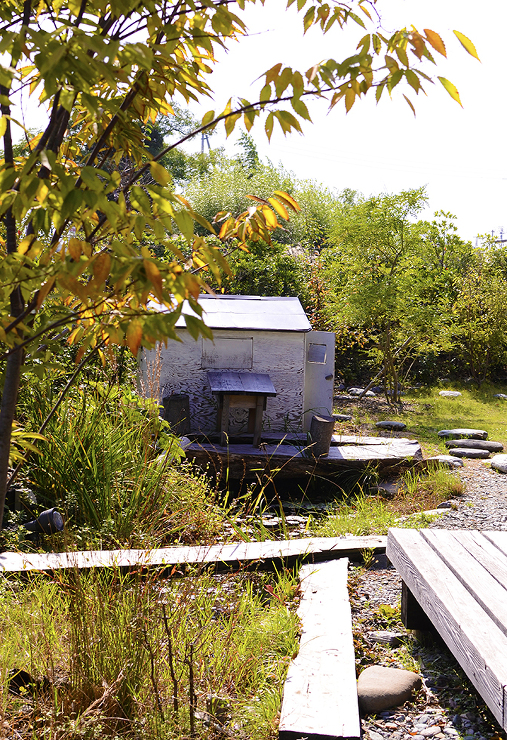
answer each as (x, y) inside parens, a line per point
(499, 462)
(380, 688)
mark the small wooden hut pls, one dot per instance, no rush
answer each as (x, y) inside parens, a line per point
(251, 334)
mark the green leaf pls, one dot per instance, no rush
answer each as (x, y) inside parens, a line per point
(467, 44)
(160, 174)
(208, 117)
(451, 89)
(270, 120)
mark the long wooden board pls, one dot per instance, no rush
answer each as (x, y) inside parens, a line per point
(219, 557)
(320, 693)
(460, 596)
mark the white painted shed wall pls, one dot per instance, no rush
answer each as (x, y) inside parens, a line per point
(280, 354)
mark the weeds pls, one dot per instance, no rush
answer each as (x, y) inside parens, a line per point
(119, 656)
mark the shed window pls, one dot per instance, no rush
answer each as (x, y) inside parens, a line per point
(317, 354)
(227, 354)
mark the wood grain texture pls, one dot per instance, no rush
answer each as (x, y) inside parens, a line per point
(320, 693)
(289, 461)
(474, 638)
(236, 555)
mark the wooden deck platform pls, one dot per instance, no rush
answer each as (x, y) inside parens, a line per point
(320, 693)
(219, 557)
(293, 460)
(459, 579)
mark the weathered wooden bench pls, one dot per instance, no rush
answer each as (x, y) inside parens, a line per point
(320, 693)
(459, 580)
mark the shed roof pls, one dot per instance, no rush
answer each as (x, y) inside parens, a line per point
(240, 312)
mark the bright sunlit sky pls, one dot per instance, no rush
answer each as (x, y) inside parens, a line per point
(458, 153)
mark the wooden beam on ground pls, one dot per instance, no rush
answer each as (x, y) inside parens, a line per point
(320, 693)
(243, 462)
(240, 555)
(460, 581)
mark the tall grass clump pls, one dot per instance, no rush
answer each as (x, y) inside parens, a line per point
(113, 467)
(119, 656)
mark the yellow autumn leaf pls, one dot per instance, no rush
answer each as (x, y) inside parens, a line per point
(467, 44)
(134, 336)
(451, 89)
(75, 248)
(435, 41)
(153, 274)
(101, 267)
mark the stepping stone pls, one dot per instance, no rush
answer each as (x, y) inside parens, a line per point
(380, 688)
(342, 417)
(463, 433)
(476, 444)
(471, 453)
(447, 461)
(358, 391)
(500, 395)
(499, 462)
(395, 426)
(449, 394)
(384, 637)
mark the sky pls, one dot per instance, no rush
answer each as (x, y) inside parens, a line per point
(458, 154)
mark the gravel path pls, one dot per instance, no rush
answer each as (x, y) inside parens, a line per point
(448, 706)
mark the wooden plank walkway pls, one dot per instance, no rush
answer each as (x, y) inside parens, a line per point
(219, 557)
(459, 578)
(320, 693)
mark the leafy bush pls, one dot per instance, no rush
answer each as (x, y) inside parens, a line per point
(112, 465)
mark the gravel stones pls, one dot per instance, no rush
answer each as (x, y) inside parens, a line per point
(476, 444)
(395, 426)
(463, 433)
(450, 394)
(379, 688)
(499, 462)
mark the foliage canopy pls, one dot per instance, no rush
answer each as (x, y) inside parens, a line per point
(74, 256)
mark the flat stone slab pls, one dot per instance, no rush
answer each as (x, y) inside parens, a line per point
(395, 426)
(471, 453)
(380, 688)
(450, 394)
(500, 395)
(476, 444)
(320, 695)
(342, 417)
(499, 462)
(448, 461)
(463, 433)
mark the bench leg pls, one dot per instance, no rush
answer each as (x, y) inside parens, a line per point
(413, 615)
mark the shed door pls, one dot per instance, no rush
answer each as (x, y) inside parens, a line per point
(319, 374)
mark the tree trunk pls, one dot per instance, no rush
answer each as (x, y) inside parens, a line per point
(7, 411)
